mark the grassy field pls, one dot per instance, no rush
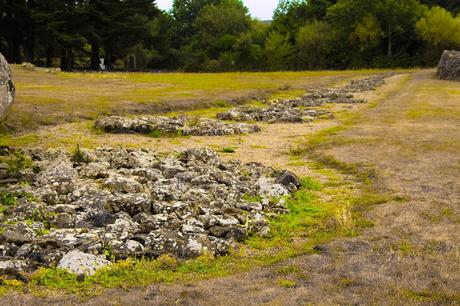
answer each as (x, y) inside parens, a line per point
(48, 99)
(373, 221)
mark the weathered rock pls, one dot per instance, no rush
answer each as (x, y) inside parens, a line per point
(449, 66)
(7, 90)
(180, 126)
(18, 234)
(81, 263)
(289, 180)
(13, 266)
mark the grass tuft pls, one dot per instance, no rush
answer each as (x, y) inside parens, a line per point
(155, 134)
(228, 150)
(20, 161)
(286, 283)
(309, 183)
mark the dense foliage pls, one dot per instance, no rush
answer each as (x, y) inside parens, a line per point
(220, 35)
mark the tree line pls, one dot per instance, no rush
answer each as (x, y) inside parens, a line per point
(221, 35)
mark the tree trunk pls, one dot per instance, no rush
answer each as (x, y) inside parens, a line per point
(95, 57)
(14, 50)
(389, 53)
(67, 59)
(29, 49)
(108, 60)
(49, 57)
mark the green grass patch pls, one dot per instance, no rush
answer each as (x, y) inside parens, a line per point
(309, 183)
(286, 270)
(11, 198)
(154, 134)
(286, 283)
(432, 297)
(229, 150)
(19, 161)
(251, 198)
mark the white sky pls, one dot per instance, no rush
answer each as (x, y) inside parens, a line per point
(262, 9)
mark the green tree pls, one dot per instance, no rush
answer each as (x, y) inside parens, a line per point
(439, 29)
(291, 15)
(118, 26)
(278, 52)
(367, 30)
(314, 45)
(450, 5)
(185, 12)
(220, 25)
(218, 30)
(15, 25)
(249, 46)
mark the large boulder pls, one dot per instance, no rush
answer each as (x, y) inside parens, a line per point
(7, 91)
(449, 66)
(81, 263)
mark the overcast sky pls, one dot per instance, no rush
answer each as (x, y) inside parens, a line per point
(262, 9)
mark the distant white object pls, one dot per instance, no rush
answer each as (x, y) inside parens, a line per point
(102, 64)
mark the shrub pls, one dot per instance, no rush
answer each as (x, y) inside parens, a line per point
(155, 133)
(78, 156)
(19, 162)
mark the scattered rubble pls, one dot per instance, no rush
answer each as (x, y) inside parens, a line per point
(321, 96)
(367, 84)
(32, 67)
(274, 114)
(290, 110)
(449, 66)
(183, 126)
(112, 203)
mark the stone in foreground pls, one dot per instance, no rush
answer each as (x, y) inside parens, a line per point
(289, 180)
(449, 66)
(132, 203)
(81, 263)
(7, 90)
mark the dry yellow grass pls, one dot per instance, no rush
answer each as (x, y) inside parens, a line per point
(410, 256)
(410, 135)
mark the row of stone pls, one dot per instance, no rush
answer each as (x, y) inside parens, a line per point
(183, 126)
(280, 111)
(293, 110)
(116, 203)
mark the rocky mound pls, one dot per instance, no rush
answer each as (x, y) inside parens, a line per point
(367, 84)
(449, 66)
(7, 90)
(80, 211)
(273, 114)
(183, 126)
(321, 96)
(288, 110)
